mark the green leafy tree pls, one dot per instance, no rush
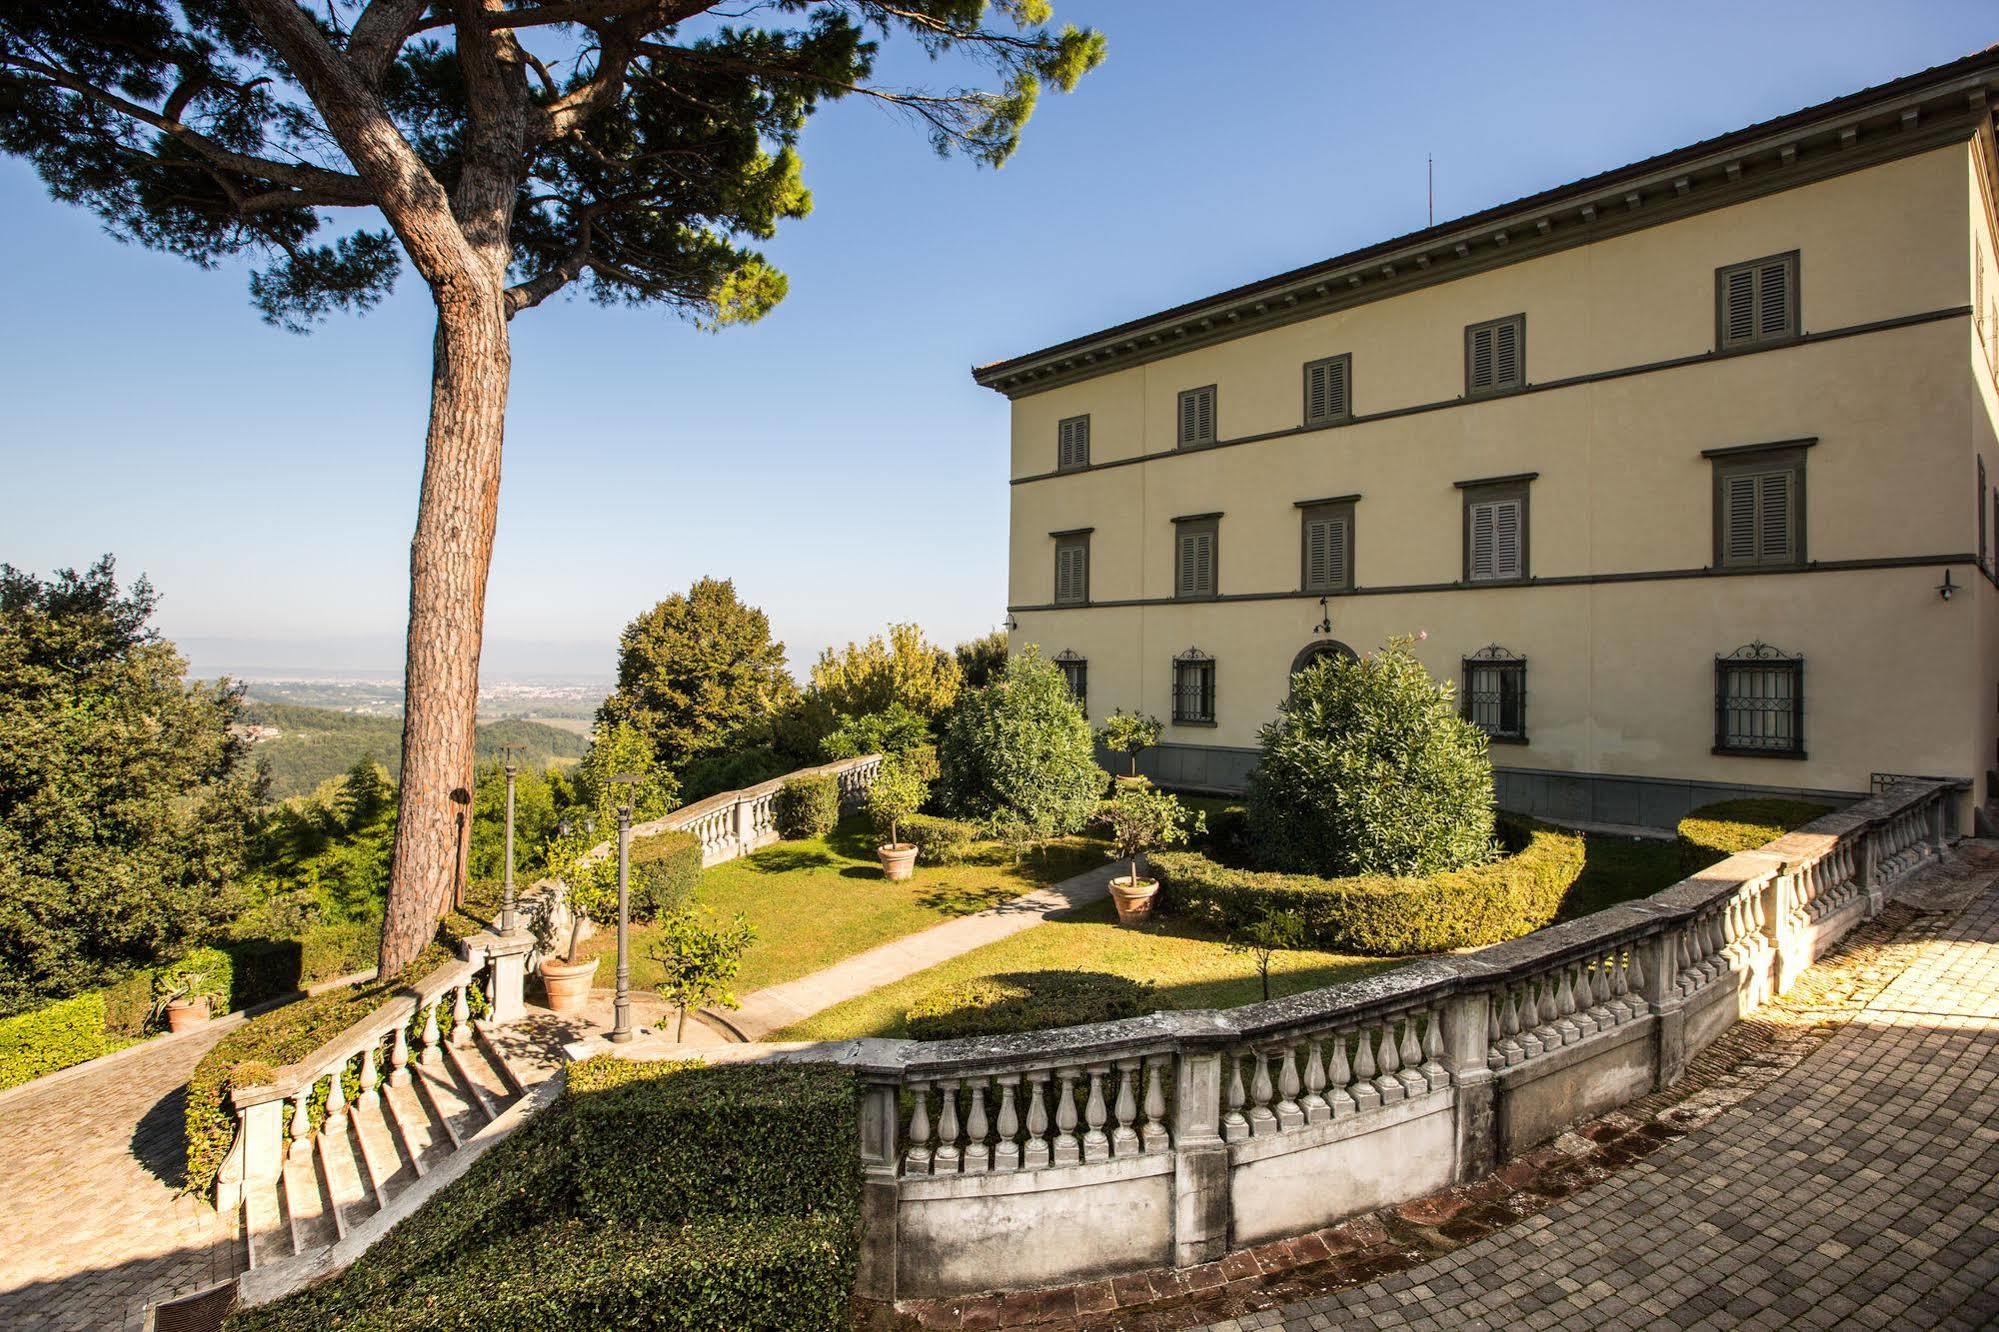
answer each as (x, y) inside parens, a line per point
(125, 801)
(1130, 734)
(583, 852)
(697, 673)
(894, 796)
(1270, 934)
(1016, 757)
(1369, 769)
(540, 796)
(902, 670)
(636, 149)
(1141, 819)
(894, 731)
(699, 963)
(982, 658)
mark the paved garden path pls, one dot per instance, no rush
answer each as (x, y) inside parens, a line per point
(91, 1224)
(766, 1010)
(1857, 1189)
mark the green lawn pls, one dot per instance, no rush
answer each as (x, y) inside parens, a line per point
(1617, 869)
(818, 900)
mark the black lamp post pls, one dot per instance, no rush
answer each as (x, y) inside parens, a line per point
(621, 1007)
(509, 922)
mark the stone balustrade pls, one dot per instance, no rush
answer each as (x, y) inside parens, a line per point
(730, 824)
(1053, 1157)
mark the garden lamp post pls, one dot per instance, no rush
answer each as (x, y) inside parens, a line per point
(621, 1007)
(509, 922)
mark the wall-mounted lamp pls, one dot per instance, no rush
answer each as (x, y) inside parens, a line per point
(1011, 623)
(1325, 624)
(1946, 587)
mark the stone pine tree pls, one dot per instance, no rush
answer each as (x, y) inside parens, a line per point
(505, 150)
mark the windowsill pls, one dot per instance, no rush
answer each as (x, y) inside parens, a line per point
(1179, 721)
(1197, 596)
(1478, 395)
(1328, 421)
(1725, 751)
(1505, 739)
(1748, 567)
(1084, 601)
(1521, 581)
(1327, 591)
(1194, 444)
(1759, 344)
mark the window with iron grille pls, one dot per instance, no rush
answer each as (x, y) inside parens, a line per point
(1325, 540)
(1756, 302)
(1196, 555)
(1076, 672)
(1072, 568)
(1329, 389)
(1495, 530)
(1759, 703)
(1194, 688)
(1496, 355)
(1072, 443)
(1494, 697)
(1759, 506)
(1197, 415)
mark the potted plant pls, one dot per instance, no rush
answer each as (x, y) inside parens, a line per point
(897, 792)
(1130, 734)
(181, 998)
(589, 887)
(1141, 819)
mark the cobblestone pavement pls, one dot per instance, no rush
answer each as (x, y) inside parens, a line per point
(91, 1226)
(1858, 1188)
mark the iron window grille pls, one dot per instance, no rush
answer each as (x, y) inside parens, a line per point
(1759, 702)
(1494, 697)
(1194, 688)
(1076, 672)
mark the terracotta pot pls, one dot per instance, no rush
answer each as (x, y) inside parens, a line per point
(568, 983)
(898, 861)
(186, 1014)
(1134, 902)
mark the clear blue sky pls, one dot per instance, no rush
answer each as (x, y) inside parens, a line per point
(836, 460)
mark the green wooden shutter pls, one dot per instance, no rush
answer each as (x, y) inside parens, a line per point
(1773, 299)
(1506, 539)
(1482, 540)
(1773, 518)
(1073, 449)
(1506, 355)
(1738, 307)
(1738, 524)
(1326, 390)
(1482, 358)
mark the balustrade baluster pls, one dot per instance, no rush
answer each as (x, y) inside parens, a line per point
(371, 1077)
(399, 1057)
(1262, 1119)
(1633, 981)
(1389, 1062)
(1509, 1027)
(301, 1126)
(1566, 1027)
(1006, 1151)
(1096, 1143)
(336, 1098)
(1339, 1077)
(1124, 1138)
(1409, 1056)
(1494, 1059)
(1366, 1094)
(461, 1016)
(948, 1156)
(432, 1049)
(1235, 1125)
(1155, 1134)
(1534, 1038)
(1068, 1151)
(1035, 1155)
(916, 1160)
(1314, 1101)
(1620, 1009)
(976, 1158)
(1290, 1114)
(1600, 992)
(1434, 1071)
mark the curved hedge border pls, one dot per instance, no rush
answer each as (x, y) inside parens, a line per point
(1715, 832)
(1383, 914)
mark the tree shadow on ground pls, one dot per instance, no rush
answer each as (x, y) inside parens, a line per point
(966, 899)
(1620, 869)
(788, 859)
(159, 1140)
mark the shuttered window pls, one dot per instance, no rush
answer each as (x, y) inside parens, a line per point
(1197, 415)
(1194, 689)
(1495, 531)
(1195, 557)
(1329, 390)
(1072, 448)
(1757, 301)
(1981, 513)
(1759, 508)
(1072, 569)
(1325, 557)
(1496, 355)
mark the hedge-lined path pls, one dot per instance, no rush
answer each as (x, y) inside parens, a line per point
(1858, 1188)
(91, 1224)
(776, 1006)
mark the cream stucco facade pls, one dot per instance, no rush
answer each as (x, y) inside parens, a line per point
(1882, 388)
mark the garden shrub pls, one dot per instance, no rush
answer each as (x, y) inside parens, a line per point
(664, 869)
(1715, 832)
(1026, 1001)
(896, 730)
(1387, 914)
(327, 952)
(1227, 838)
(735, 770)
(52, 1037)
(939, 841)
(806, 807)
(1369, 769)
(1019, 753)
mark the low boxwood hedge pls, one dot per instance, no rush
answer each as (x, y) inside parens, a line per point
(1501, 899)
(552, 1228)
(1715, 832)
(1026, 1001)
(806, 807)
(939, 841)
(54, 1037)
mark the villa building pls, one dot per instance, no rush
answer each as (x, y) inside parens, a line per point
(1684, 471)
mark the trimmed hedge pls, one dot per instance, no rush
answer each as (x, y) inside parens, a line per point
(515, 1243)
(1026, 1001)
(806, 807)
(665, 868)
(54, 1037)
(1715, 832)
(1381, 914)
(939, 841)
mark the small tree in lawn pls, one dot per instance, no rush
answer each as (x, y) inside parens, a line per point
(1019, 751)
(1269, 936)
(896, 794)
(1129, 733)
(1141, 819)
(698, 964)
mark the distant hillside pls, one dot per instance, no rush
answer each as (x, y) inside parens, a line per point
(313, 744)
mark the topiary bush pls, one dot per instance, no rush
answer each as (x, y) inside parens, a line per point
(1715, 832)
(1386, 914)
(1026, 1001)
(806, 807)
(939, 841)
(664, 870)
(1369, 769)
(1019, 753)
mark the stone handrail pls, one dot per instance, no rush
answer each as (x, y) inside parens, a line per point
(1054, 1157)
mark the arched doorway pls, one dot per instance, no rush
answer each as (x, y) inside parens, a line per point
(1318, 650)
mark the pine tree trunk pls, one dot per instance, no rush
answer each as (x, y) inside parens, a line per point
(449, 560)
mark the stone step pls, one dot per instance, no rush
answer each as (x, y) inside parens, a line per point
(423, 1140)
(267, 1237)
(306, 1205)
(487, 1085)
(450, 1103)
(350, 1195)
(383, 1164)
(486, 1035)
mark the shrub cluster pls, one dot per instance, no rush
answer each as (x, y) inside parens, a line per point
(1026, 1001)
(559, 1225)
(54, 1037)
(1715, 832)
(939, 841)
(664, 870)
(807, 807)
(1385, 914)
